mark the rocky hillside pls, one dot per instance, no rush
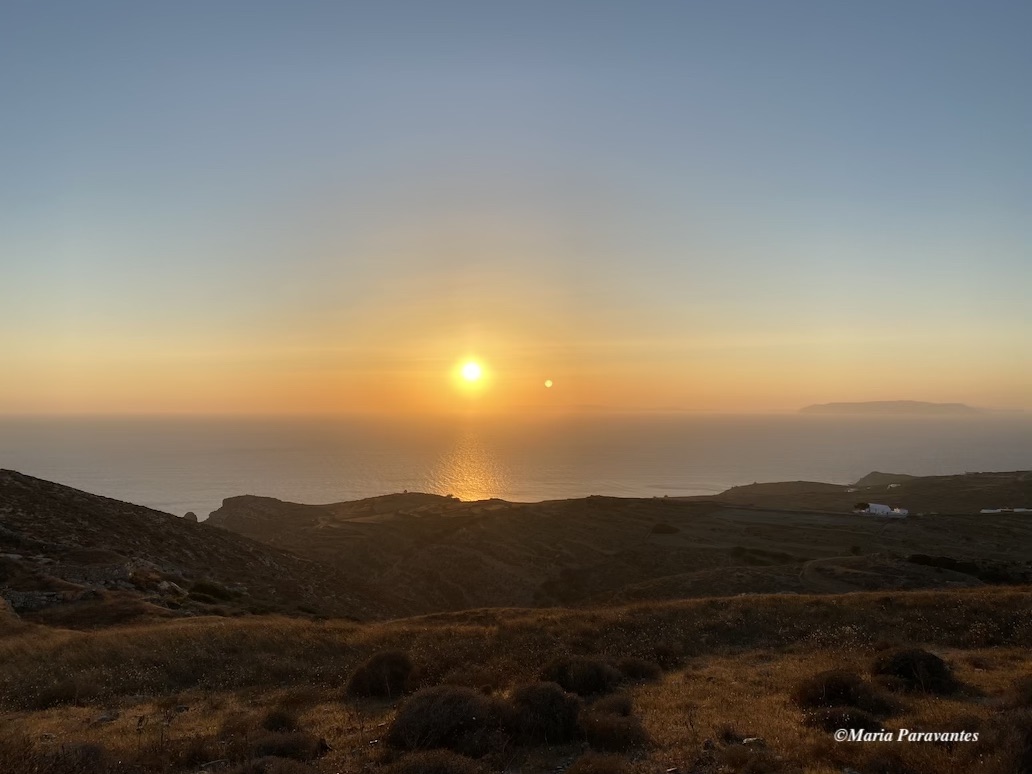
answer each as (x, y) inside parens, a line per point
(70, 557)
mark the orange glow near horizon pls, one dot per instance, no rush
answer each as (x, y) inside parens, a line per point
(423, 357)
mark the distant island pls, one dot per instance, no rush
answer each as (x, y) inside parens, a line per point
(889, 407)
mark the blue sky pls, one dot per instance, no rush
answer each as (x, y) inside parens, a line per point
(729, 181)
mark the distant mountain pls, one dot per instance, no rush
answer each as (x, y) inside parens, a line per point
(889, 407)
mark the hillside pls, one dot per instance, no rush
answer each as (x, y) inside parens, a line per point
(968, 493)
(69, 557)
(917, 407)
(431, 554)
(654, 618)
(74, 559)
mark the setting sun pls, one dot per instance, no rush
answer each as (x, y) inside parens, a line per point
(471, 372)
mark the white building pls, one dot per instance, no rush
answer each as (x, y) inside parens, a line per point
(877, 509)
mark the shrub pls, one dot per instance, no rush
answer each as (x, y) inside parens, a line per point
(639, 669)
(383, 675)
(545, 713)
(594, 763)
(917, 669)
(617, 704)
(840, 688)
(451, 717)
(832, 718)
(582, 675)
(280, 719)
(727, 734)
(613, 733)
(296, 745)
(436, 762)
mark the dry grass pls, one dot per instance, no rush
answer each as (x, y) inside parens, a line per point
(436, 762)
(593, 763)
(171, 697)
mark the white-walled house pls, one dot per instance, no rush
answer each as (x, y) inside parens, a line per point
(877, 509)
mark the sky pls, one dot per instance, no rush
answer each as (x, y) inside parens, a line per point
(329, 207)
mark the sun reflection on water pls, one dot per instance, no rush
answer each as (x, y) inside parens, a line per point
(470, 470)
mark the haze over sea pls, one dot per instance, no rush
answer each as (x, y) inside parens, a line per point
(191, 464)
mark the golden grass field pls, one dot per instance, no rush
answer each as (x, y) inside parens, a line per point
(173, 696)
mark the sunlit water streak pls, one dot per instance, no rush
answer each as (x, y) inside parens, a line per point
(192, 464)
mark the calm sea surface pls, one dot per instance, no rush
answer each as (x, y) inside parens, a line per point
(180, 465)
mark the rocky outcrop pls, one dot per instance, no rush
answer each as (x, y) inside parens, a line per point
(92, 575)
(33, 601)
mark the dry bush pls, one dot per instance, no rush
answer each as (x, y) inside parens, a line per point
(451, 717)
(727, 734)
(639, 669)
(280, 719)
(916, 669)
(436, 762)
(613, 733)
(545, 714)
(832, 718)
(288, 744)
(594, 763)
(617, 704)
(385, 675)
(840, 688)
(582, 675)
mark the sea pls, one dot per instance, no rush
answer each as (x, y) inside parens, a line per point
(180, 464)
